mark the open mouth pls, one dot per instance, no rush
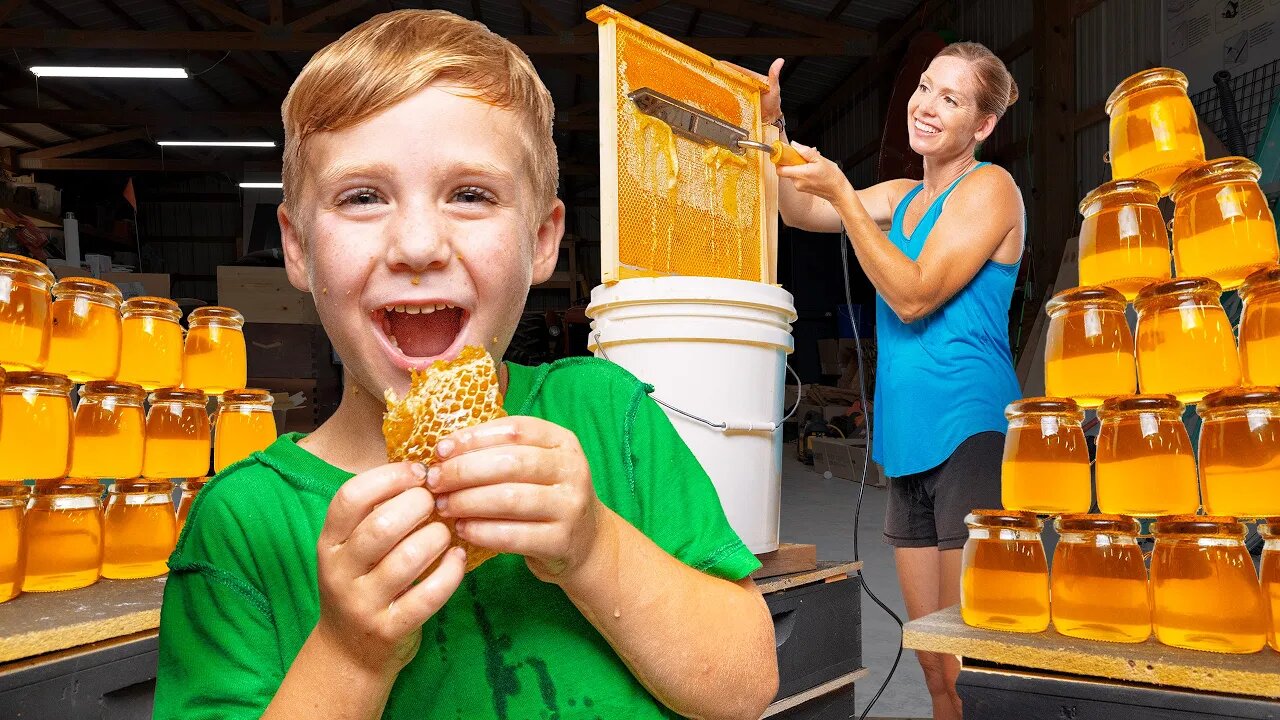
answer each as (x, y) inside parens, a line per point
(421, 331)
(926, 129)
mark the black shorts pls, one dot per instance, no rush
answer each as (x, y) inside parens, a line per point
(927, 509)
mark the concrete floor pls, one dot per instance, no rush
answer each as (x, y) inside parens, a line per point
(820, 511)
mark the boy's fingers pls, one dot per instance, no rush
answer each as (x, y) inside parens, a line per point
(515, 430)
(506, 501)
(489, 466)
(384, 526)
(420, 602)
(405, 562)
(539, 539)
(359, 495)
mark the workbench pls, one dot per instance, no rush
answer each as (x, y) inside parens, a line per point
(1051, 676)
(92, 653)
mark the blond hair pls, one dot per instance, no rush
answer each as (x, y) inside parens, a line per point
(996, 88)
(391, 57)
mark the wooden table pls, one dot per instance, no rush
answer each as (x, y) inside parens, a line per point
(1047, 675)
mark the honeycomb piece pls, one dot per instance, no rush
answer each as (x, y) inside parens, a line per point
(447, 397)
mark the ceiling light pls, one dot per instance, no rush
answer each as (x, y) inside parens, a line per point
(262, 185)
(218, 143)
(92, 71)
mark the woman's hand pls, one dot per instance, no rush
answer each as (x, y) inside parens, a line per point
(819, 177)
(771, 99)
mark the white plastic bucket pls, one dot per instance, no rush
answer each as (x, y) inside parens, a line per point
(714, 348)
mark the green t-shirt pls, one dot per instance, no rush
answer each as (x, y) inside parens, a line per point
(242, 595)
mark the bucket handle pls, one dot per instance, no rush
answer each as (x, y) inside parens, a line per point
(728, 427)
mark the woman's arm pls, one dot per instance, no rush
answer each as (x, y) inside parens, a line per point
(804, 211)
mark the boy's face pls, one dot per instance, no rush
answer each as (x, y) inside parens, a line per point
(422, 234)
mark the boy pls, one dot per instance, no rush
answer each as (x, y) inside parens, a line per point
(419, 208)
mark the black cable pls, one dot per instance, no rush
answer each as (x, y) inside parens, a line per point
(862, 483)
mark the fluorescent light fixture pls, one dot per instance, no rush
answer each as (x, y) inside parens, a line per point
(218, 143)
(262, 185)
(94, 71)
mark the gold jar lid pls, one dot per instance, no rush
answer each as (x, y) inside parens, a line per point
(180, 396)
(1125, 404)
(1227, 169)
(1269, 528)
(1012, 519)
(99, 389)
(100, 291)
(1097, 522)
(31, 271)
(148, 306)
(1145, 80)
(68, 486)
(1198, 526)
(1261, 282)
(1066, 408)
(215, 315)
(246, 396)
(1127, 191)
(1239, 398)
(42, 382)
(1185, 287)
(1089, 296)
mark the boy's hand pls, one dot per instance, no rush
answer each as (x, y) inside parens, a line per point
(520, 485)
(375, 543)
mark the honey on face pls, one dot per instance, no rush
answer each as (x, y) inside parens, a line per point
(215, 354)
(35, 427)
(1124, 243)
(1004, 580)
(151, 343)
(177, 435)
(1089, 349)
(84, 339)
(139, 529)
(1185, 344)
(1145, 466)
(1154, 134)
(13, 501)
(24, 313)
(1269, 576)
(62, 533)
(1205, 593)
(1240, 452)
(108, 431)
(1260, 328)
(1099, 580)
(1046, 462)
(1223, 228)
(190, 488)
(244, 426)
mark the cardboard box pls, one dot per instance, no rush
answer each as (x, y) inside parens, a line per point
(301, 416)
(264, 295)
(845, 459)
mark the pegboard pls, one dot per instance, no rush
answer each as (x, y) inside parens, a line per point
(1254, 91)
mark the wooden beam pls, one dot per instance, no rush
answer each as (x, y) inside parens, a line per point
(1091, 116)
(8, 7)
(1083, 6)
(27, 138)
(328, 12)
(784, 19)
(544, 16)
(160, 118)
(1016, 49)
(276, 10)
(632, 10)
(93, 143)
(230, 14)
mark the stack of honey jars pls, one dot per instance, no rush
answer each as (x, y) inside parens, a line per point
(1201, 591)
(140, 422)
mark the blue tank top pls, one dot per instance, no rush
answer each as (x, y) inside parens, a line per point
(948, 375)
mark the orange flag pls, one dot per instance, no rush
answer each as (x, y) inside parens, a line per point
(130, 196)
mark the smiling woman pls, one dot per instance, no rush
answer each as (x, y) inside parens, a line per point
(944, 273)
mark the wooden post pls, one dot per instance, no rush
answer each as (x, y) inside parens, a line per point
(1054, 187)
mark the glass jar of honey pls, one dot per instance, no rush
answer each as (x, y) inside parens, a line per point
(215, 352)
(1185, 344)
(1004, 578)
(35, 434)
(1046, 461)
(62, 534)
(177, 435)
(1124, 243)
(1260, 327)
(84, 337)
(1145, 464)
(108, 431)
(1154, 134)
(190, 488)
(1240, 452)
(139, 529)
(24, 312)
(13, 502)
(1099, 581)
(1270, 577)
(1223, 228)
(1088, 354)
(151, 343)
(1204, 591)
(245, 425)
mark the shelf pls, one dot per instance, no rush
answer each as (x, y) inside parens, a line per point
(40, 218)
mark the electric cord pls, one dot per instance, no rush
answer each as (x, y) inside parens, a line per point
(862, 483)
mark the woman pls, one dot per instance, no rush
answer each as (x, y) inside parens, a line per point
(944, 275)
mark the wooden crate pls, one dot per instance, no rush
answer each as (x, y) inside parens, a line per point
(264, 295)
(844, 459)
